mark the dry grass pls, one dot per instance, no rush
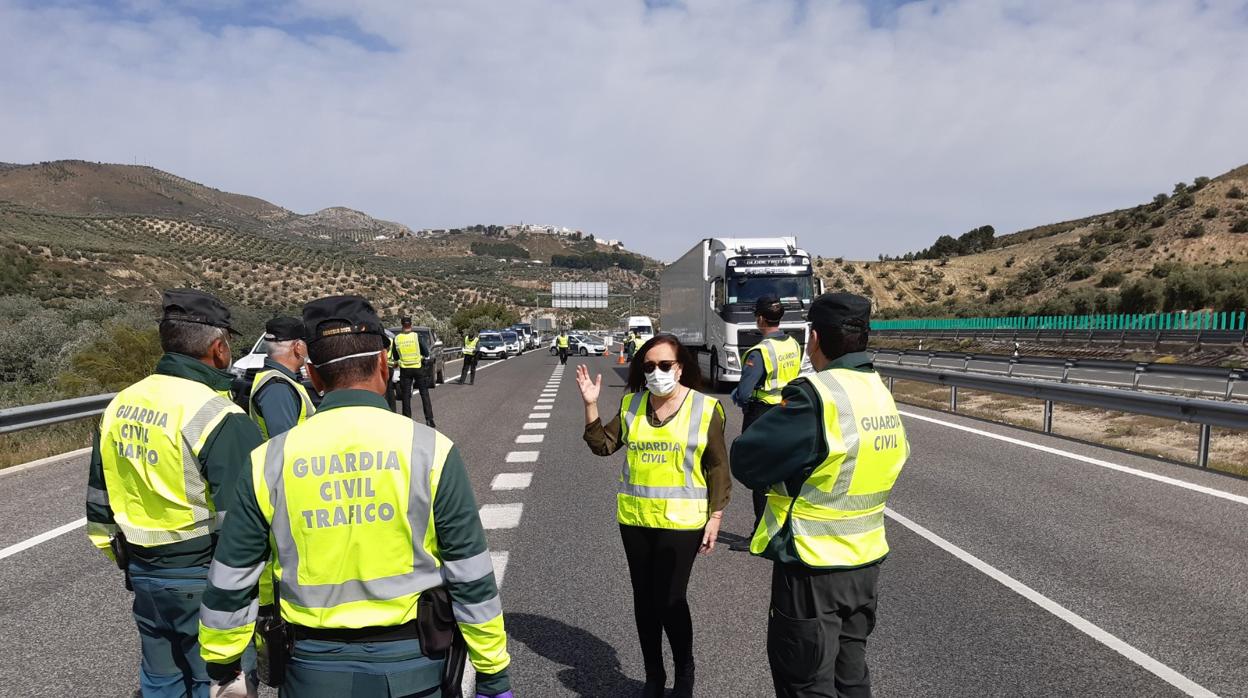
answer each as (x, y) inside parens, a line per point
(33, 444)
(1150, 436)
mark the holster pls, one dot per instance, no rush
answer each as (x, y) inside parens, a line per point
(440, 637)
(274, 643)
(122, 555)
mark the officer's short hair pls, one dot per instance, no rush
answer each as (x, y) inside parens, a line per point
(332, 347)
(838, 340)
(189, 338)
(276, 349)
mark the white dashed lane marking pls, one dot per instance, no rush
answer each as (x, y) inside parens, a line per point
(494, 516)
(530, 438)
(535, 425)
(522, 457)
(545, 400)
(511, 481)
(500, 565)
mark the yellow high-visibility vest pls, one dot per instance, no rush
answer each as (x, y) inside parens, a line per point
(407, 350)
(782, 363)
(151, 435)
(662, 484)
(837, 519)
(306, 409)
(470, 346)
(380, 473)
(563, 341)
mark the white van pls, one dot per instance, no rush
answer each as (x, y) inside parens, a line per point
(641, 326)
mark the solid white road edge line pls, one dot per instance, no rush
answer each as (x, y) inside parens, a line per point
(45, 461)
(1239, 499)
(1080, 623)
(36, 540)
(480, 367)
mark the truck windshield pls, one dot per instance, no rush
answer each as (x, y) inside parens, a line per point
(744, 289)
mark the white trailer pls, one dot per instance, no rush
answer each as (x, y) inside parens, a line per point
(707, 297)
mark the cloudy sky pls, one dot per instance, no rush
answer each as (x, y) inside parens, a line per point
(861, 126)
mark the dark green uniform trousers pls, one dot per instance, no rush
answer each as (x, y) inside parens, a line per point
(394, 669)
(753, 410)
(817, 631)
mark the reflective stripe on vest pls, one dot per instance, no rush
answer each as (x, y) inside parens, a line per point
(306, 409)
(407, 349)
(353, 557)
(470, 346)
(662, 484)
(151, 436)
(782, 364)
(837, 519)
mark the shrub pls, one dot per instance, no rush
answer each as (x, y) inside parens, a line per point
(1111, 278)
(1195, 231)
(1157, 221)
(1210, 213)
(1009, 261)
(1160, 200)
(1241, 226)
(1185, 200)
(1099, 254)
(1180, 189)
(1145, 240)
(1235, 193)
(1142, 296)
(1081, 272)
(996, 295)
(992, 271)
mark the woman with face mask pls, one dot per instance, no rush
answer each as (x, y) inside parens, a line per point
(672, 492)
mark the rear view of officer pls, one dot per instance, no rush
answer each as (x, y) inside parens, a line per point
(768, 367)
(162, 475)
(278, 399)
(828, 456)
(468, 373)
(410, 355)
(369, 513)
(562, 343)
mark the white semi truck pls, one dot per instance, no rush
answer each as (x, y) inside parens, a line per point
(707, 298)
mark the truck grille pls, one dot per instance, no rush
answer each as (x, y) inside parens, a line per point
(748, 338)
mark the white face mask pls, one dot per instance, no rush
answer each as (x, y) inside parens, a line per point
(661, 382)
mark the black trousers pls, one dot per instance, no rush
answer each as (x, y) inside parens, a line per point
(753, 410)
(468, 374)
(391, 388)
(817, 631)
(563, 355)
(407, 378)
(659, 563)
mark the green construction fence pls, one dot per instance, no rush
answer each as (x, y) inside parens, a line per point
(1232, 320)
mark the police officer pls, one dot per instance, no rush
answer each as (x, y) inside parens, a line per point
(637, 342)
(829, 456)
(278, 399)
(368, 513)
(628, 345)
(409, 355)
(562, 343)
(768, 367)
(468, 373)
(162, 475)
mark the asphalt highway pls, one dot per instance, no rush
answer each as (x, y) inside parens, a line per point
(1197, 386)
(1021, 565)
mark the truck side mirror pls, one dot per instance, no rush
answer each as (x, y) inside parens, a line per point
(717, 295)
(819, 286)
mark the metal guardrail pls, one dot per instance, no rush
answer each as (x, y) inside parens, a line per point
(1206, 413)
(1137, 369)
(1153, 338)
(33, 416)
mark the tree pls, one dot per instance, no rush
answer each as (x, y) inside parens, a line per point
(582, 323)
(1142, 296)
(483, 316)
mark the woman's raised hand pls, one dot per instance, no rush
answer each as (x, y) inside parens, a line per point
(589, 388)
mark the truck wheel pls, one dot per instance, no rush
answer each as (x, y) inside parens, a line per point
(717, 381)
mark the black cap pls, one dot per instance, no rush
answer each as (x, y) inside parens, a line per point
(405, 320)
(770, 308)
(189, 305)
(284, 329)
(841, 310)
(336, 315)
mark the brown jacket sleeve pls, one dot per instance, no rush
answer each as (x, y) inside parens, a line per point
(715, 465)
(603, 440)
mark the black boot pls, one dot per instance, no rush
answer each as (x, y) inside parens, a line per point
(684, 681)
(654, 686)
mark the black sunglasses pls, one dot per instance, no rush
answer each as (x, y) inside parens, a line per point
(663, 366)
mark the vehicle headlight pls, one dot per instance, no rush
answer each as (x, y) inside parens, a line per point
(731, 359)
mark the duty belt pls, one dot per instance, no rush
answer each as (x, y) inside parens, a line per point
(385, 633)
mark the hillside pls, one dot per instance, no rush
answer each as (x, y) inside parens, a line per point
(1184, 250)
(79, 254)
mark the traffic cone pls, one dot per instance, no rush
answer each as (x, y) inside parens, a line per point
(621, 361)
